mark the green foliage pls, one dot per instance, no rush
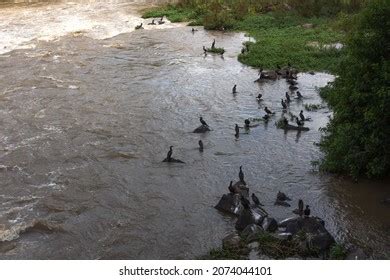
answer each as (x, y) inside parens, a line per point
(338, 252)
(357, 139)
(283, 39)
(173, 13)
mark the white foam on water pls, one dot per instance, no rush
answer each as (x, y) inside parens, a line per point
(20, 26)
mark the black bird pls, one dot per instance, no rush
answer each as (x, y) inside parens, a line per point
(203, 122)
(139, 26)
(285, 121)
(307, 211)
(169, 155)
(241, 176)
(152, 23)
(245, 202)
(213, 44)
(247, 123)
(300, 207)
(268, 111)
(302, 116)
(284, 105)
(161, 21)
(259, 96)
(200, 145)
(256, 200)
(193, 30)
(299, 95)
(288, 97)
(234, 89)
(237, 129)
(231, 188)
(204, 49)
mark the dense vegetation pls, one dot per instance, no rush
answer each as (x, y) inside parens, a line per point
(357, 139)
(300, 32)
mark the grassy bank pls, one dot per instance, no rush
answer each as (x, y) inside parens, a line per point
(280, 37)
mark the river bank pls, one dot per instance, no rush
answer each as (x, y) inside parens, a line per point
(309, 44)
(87, 121)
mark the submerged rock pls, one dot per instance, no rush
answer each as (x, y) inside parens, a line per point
(202, 129)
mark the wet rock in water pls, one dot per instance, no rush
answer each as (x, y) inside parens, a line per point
(245, 219)
(312, 225)
(285, 222)
(282, 203)
(202, 129)
(282, 197)
(230, 203)
(232, 241)
(251, 233)
(241, 189)
(270, 224)
(310, 233)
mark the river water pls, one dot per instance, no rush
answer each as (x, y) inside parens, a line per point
(88, 110)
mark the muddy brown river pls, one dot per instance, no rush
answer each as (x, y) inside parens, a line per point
(88, 110)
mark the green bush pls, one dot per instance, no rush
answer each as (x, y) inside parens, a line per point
(357, 139)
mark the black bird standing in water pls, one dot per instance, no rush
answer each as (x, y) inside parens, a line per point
(259, 97)
(284, 105)
(213, 44)
(234, 90)
(256, 200)
(302, 116)
(203, 122)
(204, 50)
(241, 176)
(288, 98)
(237, 130)
(299, 123)
(169, 155)
(200, 146)
(299, 95)
(231, 188)
(307, 211)
(268, 111)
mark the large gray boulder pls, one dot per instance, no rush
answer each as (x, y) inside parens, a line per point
(230, 203)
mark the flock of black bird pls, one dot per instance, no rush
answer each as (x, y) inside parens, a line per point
(291, 78)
